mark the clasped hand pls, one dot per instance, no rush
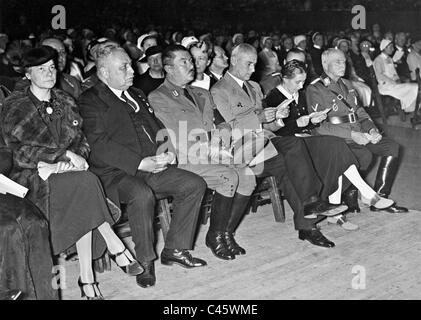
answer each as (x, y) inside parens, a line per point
(77, 161)
(156, 164)
(364, 138)
(374, 136)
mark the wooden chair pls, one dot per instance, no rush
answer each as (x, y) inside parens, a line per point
(417, 117)
(122, 229)
(267, 191)
(206, 208)
(377, 96)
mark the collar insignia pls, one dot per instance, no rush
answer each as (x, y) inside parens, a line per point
(326, 81)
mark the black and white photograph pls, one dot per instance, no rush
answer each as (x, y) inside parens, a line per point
(208, 158)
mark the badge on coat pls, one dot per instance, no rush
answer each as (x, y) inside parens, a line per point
(334, 106)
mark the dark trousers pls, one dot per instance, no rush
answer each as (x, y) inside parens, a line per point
(298, 180)
(386, 147)
(140, 192)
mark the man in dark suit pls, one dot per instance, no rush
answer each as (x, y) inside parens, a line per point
(277, 48)
(316, 52)
(122, 130)
(218, 65)
(400, 57)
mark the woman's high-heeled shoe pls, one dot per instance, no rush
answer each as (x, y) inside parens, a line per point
(378, 202)
(98, 295)
(133, 268)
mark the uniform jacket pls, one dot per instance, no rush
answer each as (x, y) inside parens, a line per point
(26, 133)
(238, 108)
(319, 97)
(190, 122)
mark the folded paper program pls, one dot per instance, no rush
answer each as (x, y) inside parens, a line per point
(318, 113)
(9, 186)
(253, 147)
(47, 169)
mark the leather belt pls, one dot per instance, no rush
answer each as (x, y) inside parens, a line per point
(350, 118)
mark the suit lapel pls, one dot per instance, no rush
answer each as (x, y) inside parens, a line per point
(183, 100)
(109, 98)
(117, 113)
(238, 90)
(197, 97)
(251, 91)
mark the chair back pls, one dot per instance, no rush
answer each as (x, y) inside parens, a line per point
(418, 78)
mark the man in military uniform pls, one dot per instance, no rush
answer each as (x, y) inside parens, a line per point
(348, 120)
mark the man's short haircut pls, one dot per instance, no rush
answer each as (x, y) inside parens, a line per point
(104, 52)
(97, 45)
(168, 54)
(243, 48)
(212, 54)
(295, 51)
(52, 39)
(330, 52)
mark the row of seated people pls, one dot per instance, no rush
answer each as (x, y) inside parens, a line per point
(394, 65)
(139, 148)
(360, 54)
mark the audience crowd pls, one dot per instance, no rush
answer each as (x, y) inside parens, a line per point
(82, 115)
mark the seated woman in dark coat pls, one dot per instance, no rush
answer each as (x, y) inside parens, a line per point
(331, 157)
(25, 255)
(42, 127)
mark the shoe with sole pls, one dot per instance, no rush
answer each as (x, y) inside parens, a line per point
(341, 220)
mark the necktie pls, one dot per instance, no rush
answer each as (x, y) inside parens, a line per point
(188, 96)
(129, 102)
(245, 88)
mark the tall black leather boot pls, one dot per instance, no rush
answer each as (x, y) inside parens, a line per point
(220, 215)
(239, 205)
(386, 174)
(350, 198)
